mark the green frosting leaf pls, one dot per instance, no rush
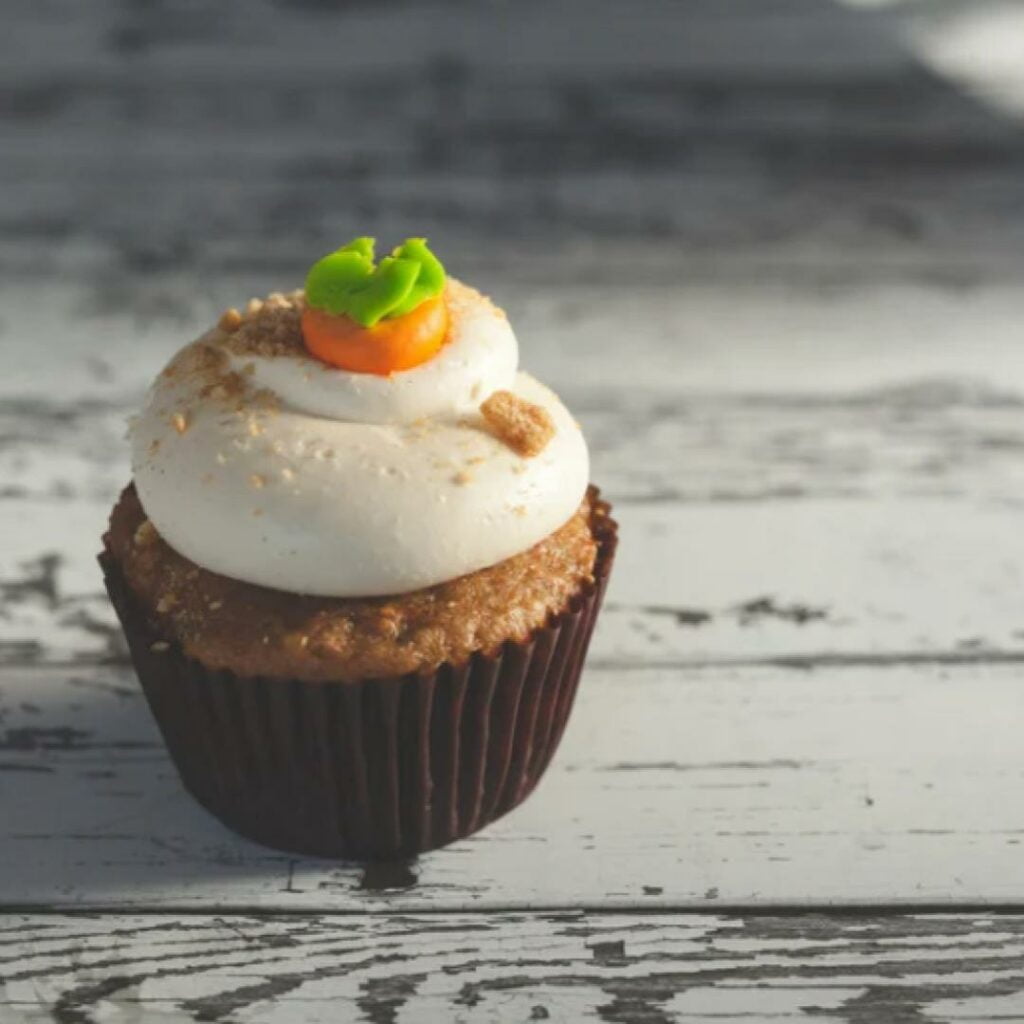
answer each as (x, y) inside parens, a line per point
(362, 245)
(385, 288)
(331, 280)
(430, 280)
(346, 282)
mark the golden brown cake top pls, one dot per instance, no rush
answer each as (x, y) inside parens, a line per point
(254, 630)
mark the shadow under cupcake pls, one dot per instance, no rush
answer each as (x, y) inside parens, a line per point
(358, 596)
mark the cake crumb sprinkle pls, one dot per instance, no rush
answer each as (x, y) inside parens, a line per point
(145, 534)
(230, 320)
(525, 427)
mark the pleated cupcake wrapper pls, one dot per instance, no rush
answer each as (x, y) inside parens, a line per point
(378, 768)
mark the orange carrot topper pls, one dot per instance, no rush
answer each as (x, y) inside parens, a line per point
(376, 319)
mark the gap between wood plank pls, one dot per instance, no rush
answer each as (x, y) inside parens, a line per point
(851, 909)
(800, 662)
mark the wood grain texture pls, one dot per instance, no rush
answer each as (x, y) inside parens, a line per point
(618, 969)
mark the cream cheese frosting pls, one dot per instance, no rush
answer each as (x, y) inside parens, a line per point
(271, 467)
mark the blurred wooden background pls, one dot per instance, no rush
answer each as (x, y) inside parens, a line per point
(770, 252)
(834, 138)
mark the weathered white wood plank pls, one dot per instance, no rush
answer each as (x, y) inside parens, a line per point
(803, 581)
(754, 786)
(891, 503)
(411, 969)
(726, 38)
(735, 332)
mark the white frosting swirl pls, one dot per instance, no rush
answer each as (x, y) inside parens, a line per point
(479, 357)
(319, 481)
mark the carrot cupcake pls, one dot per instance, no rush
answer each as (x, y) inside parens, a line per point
(359, 561)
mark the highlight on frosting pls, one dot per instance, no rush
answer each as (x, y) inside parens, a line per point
(376, 318)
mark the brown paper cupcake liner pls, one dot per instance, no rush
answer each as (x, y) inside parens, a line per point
(378, 768)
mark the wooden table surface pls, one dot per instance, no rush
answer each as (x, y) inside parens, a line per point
(770, 255)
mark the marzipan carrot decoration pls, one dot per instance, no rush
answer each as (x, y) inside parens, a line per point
(376, 319)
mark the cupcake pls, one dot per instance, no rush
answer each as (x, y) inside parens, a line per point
(359, 561)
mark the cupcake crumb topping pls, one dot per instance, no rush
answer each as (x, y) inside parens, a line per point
(526, 428)
(230, 321)
(268, 327)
